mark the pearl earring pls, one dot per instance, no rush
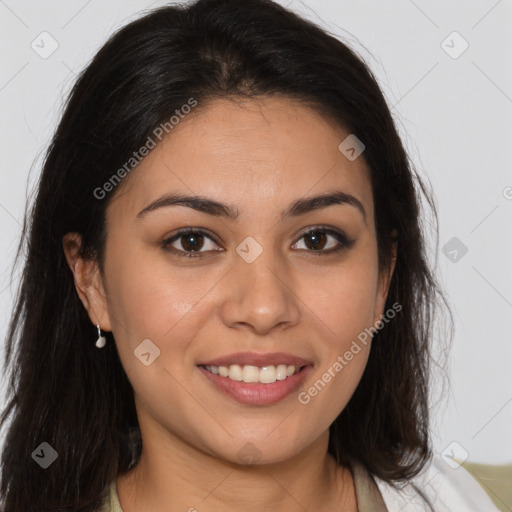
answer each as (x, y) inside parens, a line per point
(100, 342)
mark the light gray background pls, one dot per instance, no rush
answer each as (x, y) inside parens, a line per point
(455, 115)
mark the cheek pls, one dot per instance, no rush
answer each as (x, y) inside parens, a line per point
(344, 300)
(345, 306)
(347, 310)
(150, 296)
(332, 387)
(152, 300)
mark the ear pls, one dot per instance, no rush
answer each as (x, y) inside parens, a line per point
(385, 279)
(88, 281)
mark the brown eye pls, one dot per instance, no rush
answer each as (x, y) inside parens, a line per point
(189, 241)
(192, 241)
(318, 240)
(315, 240)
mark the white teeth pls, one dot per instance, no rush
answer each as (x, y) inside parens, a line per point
(268, 374)
(252, 374)
(281, 372)
(249, 373)
(235, 372)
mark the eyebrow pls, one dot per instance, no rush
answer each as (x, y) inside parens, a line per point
(217, 209)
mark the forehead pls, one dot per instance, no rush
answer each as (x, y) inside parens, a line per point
(262, 153)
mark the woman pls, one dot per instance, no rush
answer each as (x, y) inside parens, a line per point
(226, 303)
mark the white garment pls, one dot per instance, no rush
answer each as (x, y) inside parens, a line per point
(438, 488)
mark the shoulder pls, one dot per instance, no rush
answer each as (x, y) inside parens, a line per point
(438, 488)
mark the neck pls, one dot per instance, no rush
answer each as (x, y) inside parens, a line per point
(173, 475)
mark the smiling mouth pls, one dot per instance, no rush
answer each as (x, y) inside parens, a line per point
(255, 374)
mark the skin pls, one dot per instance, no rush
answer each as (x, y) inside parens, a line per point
(258, 156)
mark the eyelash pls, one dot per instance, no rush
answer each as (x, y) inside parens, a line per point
(339, 235)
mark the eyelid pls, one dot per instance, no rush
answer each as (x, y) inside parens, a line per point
(325, 228)
(342, 238)
(184, 231)
(340, 235)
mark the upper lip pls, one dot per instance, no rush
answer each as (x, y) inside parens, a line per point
(255, 359)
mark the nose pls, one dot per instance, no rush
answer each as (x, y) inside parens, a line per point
(259, 296)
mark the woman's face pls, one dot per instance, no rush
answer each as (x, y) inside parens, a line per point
(251, 283)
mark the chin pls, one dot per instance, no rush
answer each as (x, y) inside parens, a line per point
(258, 452)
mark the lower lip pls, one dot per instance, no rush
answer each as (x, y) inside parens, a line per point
(257, 393)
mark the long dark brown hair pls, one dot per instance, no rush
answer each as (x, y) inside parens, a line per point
(64, 391)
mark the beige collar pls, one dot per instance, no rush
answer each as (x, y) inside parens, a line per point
(369, 498)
